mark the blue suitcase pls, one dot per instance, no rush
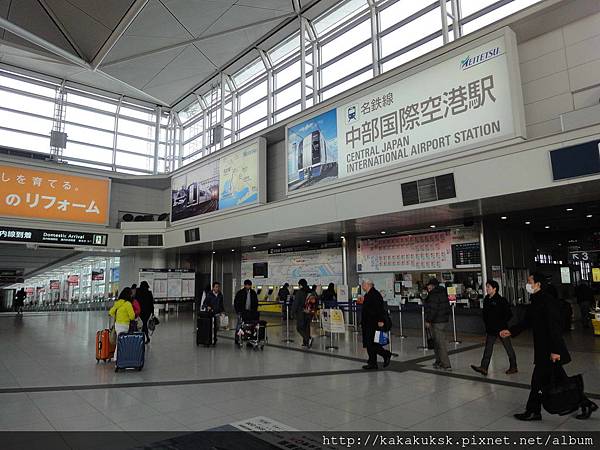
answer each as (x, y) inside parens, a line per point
(130, 351)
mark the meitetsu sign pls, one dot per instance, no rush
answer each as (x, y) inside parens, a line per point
(470, 99)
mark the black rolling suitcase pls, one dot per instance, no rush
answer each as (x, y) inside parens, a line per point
(204, 328)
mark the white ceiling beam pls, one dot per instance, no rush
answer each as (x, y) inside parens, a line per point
(197, 40)
(42, 43)
(121, 28)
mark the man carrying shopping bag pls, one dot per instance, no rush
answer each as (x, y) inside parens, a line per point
(373, 320)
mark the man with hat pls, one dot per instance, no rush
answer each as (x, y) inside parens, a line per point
(437, 315)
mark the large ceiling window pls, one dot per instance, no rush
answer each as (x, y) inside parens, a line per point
(110, 132)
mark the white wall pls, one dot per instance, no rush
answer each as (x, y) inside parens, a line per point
(129, 198)
(560, 71)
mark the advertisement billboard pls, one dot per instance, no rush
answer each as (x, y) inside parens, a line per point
(231, 181)
(312, 151)
(468, 100)
(73, 280)
(49, 195)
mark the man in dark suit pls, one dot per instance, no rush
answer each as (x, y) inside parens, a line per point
(372, 319)
(549, 349)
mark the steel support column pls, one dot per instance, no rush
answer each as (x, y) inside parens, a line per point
(158, 112)
(482, 253)
(115, 134)
(444, 13)
(302, 62)
(456, 27)
(178, 140)
(375, 37)
(270, 100)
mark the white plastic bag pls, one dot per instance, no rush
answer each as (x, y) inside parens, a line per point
(223, 321)
(381, 337)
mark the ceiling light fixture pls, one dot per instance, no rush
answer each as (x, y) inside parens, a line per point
(504, 217)
(278, 245)
(254, 247)
(308, 241)
(547, 227)
(431, 226)
(589, 216)
(569, 209)
(528, 223)
(383, 232)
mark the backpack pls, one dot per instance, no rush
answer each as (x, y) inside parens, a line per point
(310, 304)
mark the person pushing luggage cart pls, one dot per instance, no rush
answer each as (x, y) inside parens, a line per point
(245, 300)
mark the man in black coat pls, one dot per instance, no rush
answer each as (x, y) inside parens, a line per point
(214, 303)
(373, 318)
(437, 315)
(245, 300)
(146, 299)
(549, 349)
(496, 314)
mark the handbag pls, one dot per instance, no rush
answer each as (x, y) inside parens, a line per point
(562, 395)
(112, 337)
(430, 341)
(381, 338)
(152, 322)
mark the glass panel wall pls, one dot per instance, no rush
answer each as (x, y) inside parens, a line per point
(110, 132)
(88, 283)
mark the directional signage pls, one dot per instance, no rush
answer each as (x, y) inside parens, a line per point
(13, 234)
(584, 256)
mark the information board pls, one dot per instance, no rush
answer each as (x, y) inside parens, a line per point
(319, 266)
(437, 251)
(408, 252)
(173, 285)
(333, 320)
(466, 255)
(170, 283)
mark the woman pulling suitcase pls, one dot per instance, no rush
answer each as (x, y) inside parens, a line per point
(122, 312)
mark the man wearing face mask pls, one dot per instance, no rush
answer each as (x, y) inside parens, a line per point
(550, 352)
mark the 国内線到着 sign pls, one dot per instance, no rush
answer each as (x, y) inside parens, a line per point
(13, 234)
(462, 102)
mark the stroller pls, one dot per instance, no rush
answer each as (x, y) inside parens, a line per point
(253, 331)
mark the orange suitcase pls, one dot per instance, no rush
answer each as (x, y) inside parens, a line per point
(104, 351)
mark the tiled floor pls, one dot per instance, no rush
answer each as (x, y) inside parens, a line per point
(185, 387)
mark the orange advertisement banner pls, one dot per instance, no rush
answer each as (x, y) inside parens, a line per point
(41, 194)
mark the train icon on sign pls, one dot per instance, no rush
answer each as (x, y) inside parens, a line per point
(351, 114)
